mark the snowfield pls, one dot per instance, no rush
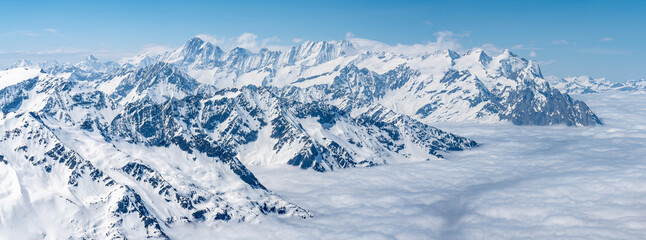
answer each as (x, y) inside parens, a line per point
(523, 182)
(323, 140)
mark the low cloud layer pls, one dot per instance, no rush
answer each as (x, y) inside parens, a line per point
(523, 183)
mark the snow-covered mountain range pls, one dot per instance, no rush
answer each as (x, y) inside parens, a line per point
(586, 84)
(132, 149)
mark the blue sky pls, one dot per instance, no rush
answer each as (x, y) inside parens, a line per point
(596, 38)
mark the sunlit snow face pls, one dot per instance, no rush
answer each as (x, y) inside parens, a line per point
(523, 182)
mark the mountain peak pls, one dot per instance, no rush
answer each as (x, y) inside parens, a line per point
(446, 53)
(196, 51)
(195, 42)
(507, 54)
(22, 64)
(91, 58)
(480, 55)
(346, 44)
(240, 50)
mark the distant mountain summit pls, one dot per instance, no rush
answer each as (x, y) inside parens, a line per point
(448, 86)
(22, 64)
(585, 85)
(196, 53)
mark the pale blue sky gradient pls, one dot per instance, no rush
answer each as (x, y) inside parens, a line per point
(596, 38)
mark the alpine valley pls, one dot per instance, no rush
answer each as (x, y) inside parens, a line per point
(131, 149)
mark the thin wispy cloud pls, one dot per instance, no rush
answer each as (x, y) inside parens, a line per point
(37, 33)
(61, 51)
(548, 62)
(519, 46)
(560, 42)
(62, 54)
(22, 33)
(269, 41)
(448, 40)
(444, 40)
(249, 41)
(606, 39)
(428, 23)
(491, 49)
(461, 35)
(210, 38)
(53, 31)
(152, 48)
(605, 51)
(524, 47)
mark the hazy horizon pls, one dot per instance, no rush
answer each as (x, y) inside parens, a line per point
(567, 39)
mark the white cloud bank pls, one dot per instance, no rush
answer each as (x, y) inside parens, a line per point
(524, 182)
(606, 39)
(444, 40)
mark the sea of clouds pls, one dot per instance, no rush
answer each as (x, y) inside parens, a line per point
(550, 182)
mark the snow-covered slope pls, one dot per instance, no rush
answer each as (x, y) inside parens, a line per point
(58, 148)
(430, 87)
(14, 76)
(138, 148)
(133, 152)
